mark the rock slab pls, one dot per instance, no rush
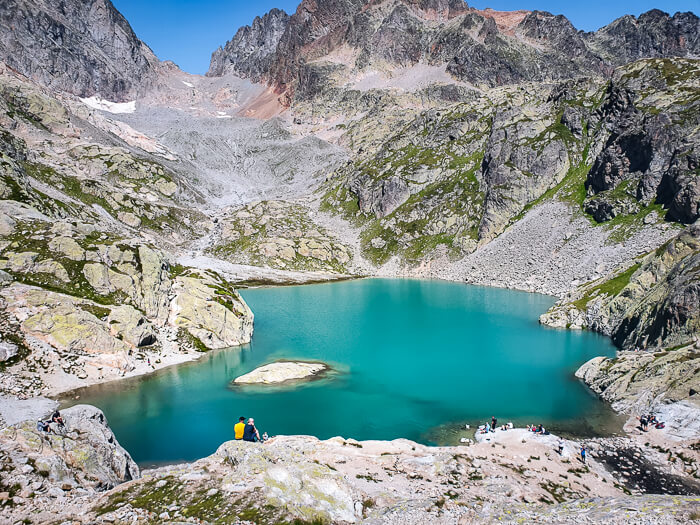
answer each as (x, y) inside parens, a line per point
(281, 372)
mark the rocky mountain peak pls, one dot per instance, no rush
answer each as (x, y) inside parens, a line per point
(250, 51)
(484, 48)
(653, 34)
(85, 47)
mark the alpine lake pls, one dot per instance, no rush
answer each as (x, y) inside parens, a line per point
(413, 359)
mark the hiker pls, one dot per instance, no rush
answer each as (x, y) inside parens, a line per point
(239, 428)
(583, 454)
(643, 423)
(43, 426)
(250, 433)
(56, 418)
(560, 446)
(494, 421)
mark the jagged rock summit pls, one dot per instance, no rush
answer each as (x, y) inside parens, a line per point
(298, 54)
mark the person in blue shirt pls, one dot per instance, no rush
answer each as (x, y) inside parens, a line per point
(251, 433)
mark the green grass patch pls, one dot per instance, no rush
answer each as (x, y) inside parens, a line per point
(610, 288)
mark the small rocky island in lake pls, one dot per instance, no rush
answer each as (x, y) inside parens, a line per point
(283, 372)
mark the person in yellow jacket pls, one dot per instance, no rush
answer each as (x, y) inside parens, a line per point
(239, 428)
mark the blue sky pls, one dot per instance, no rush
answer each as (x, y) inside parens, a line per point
(188, 31)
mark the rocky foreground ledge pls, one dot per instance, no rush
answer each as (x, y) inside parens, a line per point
(513, 477)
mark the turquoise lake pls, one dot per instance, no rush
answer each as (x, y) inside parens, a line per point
(414, 359)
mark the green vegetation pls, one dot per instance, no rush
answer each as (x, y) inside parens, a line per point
(623, 226)
(611, 287)
(194, 342)
(195, 501)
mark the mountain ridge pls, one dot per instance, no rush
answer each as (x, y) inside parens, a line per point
(527, 45)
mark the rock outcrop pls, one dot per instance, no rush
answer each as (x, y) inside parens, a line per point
(82, 459)
(279, 235)
(282, 372)
(83, 47)
(651, 382)
(650, 155)
(251, 51)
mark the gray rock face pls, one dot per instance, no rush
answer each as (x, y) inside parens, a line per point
(669, 313)
(83, 47)
(7, 351)
(650, 155)
(655, 304)
(251, 51)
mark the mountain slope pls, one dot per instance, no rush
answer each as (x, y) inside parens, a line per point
(84, 47)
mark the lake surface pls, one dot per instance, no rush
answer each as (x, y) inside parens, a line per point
(414, 359)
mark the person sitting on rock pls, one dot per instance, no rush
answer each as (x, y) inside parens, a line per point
(56, 418)
(250, 433)
(239, 428)
(43, 426)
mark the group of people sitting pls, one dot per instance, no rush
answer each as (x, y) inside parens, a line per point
(491, 427)
(538, 429)
(247, 431)
(45, 426)
(650, 419)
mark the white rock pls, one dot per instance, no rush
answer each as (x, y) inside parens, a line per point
(281, 372)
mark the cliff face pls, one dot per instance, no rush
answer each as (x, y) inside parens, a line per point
(83, 47)
(486, 48)
(251, 51)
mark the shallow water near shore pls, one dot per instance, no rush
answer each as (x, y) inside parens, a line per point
(414, 359)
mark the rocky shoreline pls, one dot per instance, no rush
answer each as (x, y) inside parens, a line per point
(82, 475)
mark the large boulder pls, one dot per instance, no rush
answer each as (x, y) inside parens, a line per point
(84, 455)
(216, 318)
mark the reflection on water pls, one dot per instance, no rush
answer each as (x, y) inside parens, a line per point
(415, 359)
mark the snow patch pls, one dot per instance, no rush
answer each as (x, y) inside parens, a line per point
(96, 102)
(187, 84)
